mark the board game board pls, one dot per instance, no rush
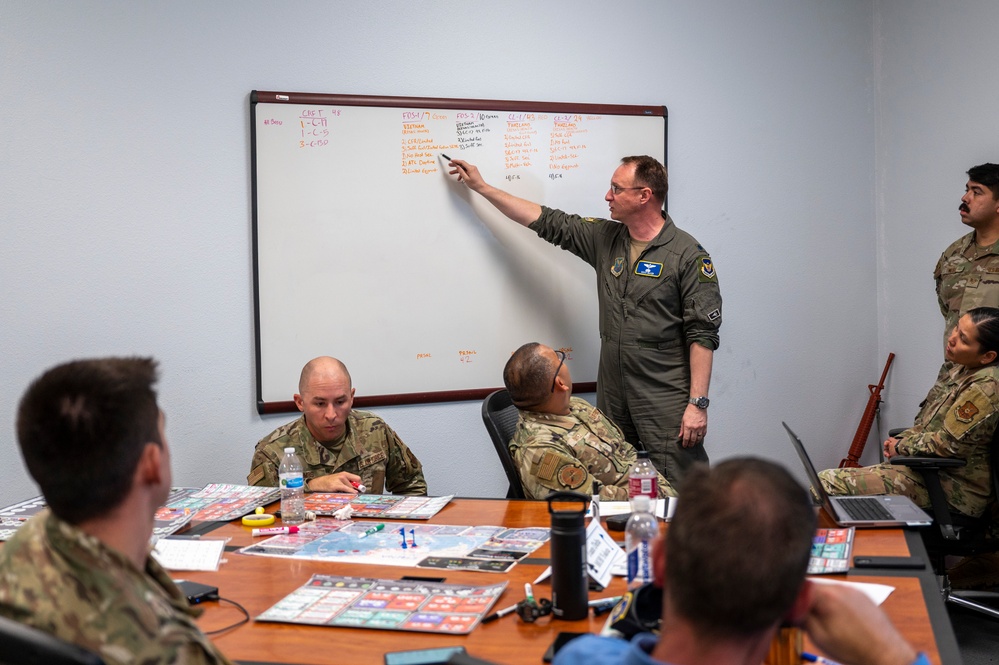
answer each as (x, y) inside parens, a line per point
(377, 505)
(485, 548)
(361, 602)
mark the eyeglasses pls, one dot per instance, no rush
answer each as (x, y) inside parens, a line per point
(617, 190)
(561, 355)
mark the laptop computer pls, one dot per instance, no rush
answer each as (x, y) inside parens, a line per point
(882, 510)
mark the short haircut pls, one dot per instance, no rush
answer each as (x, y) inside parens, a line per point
(314, 365)
(528, 376)
(986, 320)
(82, 427)
(988, 175)
(650, 173)
(738, 546)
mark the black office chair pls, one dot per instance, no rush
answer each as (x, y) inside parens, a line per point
(954, 533)
(23, 645)
(500, 418)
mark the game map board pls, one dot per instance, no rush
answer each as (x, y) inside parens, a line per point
(377, 505)
(483, 548)
(831, 550)
(361, 602)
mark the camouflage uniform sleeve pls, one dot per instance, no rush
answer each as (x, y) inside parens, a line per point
(701, 297)
(263, 466)
(938, 279)
(404, 473)
(968, 423)
(665, 489)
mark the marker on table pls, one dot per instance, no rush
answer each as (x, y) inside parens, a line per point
(498, 615)
(812, 658)
(274, 530)
(375, 529)
(359, 487)
(600, 601)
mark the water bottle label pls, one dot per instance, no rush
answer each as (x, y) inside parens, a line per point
(292, 481)
(643, 486)
(640, 564)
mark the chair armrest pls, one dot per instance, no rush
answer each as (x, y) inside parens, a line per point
(895, 432)
(929, 468)
(929, 463)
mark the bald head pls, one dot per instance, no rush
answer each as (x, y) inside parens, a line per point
(325, 395)
(322, 367)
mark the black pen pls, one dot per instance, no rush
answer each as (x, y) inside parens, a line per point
(446, 157)
(498, 615)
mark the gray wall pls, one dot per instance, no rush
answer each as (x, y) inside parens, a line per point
(817, 150)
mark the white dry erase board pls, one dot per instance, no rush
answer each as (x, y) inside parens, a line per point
(367, 250)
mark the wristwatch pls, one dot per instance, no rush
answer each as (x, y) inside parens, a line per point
(699, 402)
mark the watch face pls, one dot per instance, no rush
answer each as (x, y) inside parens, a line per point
(700, 402)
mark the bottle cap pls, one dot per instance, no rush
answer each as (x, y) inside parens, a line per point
(289, 450)
(642, 454)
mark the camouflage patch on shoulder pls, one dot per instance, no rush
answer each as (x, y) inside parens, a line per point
(572, 475)
(256, 475)
(547, 466)
(972, 407)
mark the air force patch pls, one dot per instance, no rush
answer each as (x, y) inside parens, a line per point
(618, 266)
(648, 269)
(707, 269)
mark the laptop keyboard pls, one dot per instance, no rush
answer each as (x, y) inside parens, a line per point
(865, 508)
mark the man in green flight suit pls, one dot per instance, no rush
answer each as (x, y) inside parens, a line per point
(341, 449)
(561, 442)
(659, 304)
(92, 438)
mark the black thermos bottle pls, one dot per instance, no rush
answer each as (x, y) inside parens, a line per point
(570, 584)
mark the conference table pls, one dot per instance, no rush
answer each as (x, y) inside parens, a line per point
(258, 582)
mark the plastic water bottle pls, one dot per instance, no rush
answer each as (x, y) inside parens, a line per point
(639, 535)
(292, 488)
(643, 481)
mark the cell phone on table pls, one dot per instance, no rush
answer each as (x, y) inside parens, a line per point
(435, 656)
(560, 641)
(896, 562)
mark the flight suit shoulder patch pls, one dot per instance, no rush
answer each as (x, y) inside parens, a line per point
(706, 272)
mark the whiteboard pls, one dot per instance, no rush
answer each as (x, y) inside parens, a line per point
(367, 250)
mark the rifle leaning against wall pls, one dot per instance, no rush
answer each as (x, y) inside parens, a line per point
(852, 458)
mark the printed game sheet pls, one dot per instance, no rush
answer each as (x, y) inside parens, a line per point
(361, 602)
(483, 548)
(377, 505)
(831, 550)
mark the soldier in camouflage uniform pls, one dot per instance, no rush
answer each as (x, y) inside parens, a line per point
(81, 569)
(958, 419)
(561, 442)
(659, 303)
(339, 448)
(967, 274)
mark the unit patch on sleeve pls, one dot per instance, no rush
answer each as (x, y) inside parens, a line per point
(618, 266)
(707, 270)
(572, 476)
